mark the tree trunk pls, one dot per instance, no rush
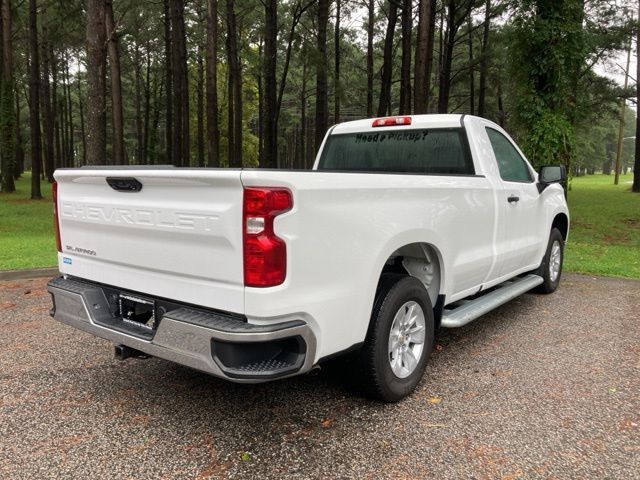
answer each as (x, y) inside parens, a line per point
(137, 103)
(237, 100)
(270, 130)
(302, 161)
(261, 123)
(155, 122)
(502, 115)
(371, 17)
(56, 109)
(405, 68)
(607, 165)
(322, 101)
(623, 105)
(47, 118)
(424, 55)
(337, 91)
(575, 63)
(484, 59)
(34, 101)
(200, 110)
(472, 79)
(299, 9)
(440, 51)
(430, 48)
(19, 152)
(144, 159)
(96, 119)
(636, 165)
(176, 80)
(168, 85)
(180, 84)
(64, 159)
(213, 130)
(447, 58)
(310, 153)
(186, 131)
(235, 90)
(7, 94)
(117, 122)
(384, 104)
(81, 111)
(231, 138)
(70, 136)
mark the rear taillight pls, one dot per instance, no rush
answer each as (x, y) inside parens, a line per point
(391, 121)
(265, 255)
(56, 221)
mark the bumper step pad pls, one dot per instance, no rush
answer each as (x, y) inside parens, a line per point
(224, 323)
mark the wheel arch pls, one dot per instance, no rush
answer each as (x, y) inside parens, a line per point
(421, 260)
(561, 222)
(423, 248)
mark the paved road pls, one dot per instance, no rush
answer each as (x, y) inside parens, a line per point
(544, 387)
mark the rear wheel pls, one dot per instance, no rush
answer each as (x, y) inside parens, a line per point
(400, 338)
(551, 267)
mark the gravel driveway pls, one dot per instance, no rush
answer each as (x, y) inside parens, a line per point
(544, 387)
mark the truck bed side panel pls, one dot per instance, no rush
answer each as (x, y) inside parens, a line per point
(343, 227)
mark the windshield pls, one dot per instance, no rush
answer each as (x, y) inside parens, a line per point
(426, 151)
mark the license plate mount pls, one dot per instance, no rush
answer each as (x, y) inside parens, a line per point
(137, 311)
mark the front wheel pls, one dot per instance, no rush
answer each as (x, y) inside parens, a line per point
(400, 338)
(551, 267)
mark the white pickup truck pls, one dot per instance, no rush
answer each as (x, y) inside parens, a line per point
(406, 224)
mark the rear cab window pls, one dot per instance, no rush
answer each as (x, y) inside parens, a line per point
(434, 151)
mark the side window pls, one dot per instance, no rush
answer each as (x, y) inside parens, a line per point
(511, 165)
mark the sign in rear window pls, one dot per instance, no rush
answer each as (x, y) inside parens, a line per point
(426, 151)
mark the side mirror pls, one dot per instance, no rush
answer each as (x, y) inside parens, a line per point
(549, 174)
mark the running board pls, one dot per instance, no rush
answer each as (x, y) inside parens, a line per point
(468, 310)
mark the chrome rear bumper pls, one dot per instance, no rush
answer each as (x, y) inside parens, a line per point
(214, 343)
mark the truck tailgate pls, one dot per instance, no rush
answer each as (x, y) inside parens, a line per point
(178, 237)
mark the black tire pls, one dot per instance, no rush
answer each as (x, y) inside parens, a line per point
(550, 285)
(378, 379)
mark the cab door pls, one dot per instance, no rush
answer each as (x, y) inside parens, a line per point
(520, 219)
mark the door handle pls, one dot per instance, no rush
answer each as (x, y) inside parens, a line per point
(513, 199)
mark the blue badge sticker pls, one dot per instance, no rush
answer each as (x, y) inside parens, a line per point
(67, 260)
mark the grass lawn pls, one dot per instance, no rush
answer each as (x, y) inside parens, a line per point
(27, 238)
(604, 237)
